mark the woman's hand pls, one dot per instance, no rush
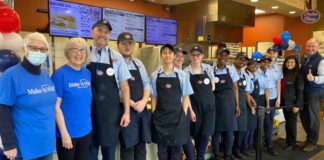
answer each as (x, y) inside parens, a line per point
(193, 116)
(66, 141)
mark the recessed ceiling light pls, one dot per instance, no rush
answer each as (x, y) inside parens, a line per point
(259, 11)
(292, 12)
(253, 1)
(275, 7)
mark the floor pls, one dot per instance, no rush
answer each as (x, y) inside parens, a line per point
(151, 155)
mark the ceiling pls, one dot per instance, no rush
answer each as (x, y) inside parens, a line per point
(285, 6)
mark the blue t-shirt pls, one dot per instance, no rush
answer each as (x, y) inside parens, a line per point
(32, 99)
(74, 88)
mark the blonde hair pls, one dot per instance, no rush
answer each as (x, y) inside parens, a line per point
(35, 36)
(81, 42)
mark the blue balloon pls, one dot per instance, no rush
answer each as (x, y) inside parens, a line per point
(8, 58)
(285, 36)
(284, 45)
(256, 55)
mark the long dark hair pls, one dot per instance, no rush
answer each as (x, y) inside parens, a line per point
(295, 69)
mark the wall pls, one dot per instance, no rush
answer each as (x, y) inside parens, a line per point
(31, 20)
(267, 26)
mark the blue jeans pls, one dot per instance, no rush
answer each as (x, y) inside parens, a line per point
(228, 142)
(108, 152)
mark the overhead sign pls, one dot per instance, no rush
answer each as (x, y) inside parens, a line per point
(310, 16)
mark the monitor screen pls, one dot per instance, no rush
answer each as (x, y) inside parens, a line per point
(124, 21)
(161, 31)
(72, 19)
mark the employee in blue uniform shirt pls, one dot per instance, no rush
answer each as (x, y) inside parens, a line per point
(170, 100)
(312, 66)
(27, 105)
(73, 106)
(275, 96)
(244, 96)
(135, 136)
(253, 90)
(226, 103)
(202, 80)
(109, 75)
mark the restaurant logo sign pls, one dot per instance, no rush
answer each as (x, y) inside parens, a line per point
(310, 16)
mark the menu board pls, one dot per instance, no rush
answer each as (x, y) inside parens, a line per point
(124, 21)
(161, 31)
(72, 19)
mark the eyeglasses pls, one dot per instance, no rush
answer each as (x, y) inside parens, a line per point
(76, 50)
(35, 49)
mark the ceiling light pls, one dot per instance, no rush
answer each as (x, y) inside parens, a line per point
(253, 1)
(275, 7)
(292, 12)
(259, 11)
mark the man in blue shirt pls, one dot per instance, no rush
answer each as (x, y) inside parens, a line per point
(137, 134)
(109, 75)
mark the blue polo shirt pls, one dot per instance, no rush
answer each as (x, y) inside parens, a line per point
(32, 99)
(264, 79)
(276, 76)
(74, 88)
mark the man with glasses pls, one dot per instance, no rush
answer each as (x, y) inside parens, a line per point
(109, 74)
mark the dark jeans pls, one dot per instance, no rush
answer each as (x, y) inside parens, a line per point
(79, 151)
(248, 140)
(47, 157)
(201, 143)
(169, 152)
(238, 140)
(108, 152)
(268, 124)
(228, 142)
(291, 127)
(310, 117)
(188, 150)
(137, 152)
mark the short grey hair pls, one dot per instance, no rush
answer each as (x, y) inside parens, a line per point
(81, 42)
(35, 36)
(315, 40)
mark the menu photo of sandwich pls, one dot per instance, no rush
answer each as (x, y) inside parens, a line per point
(63, 22)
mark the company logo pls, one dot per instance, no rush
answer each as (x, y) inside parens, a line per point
(42, 90)
(310, 16)
(83, 83)
(168, 86)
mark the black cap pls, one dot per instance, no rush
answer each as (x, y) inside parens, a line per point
(222, 49)
(102, 22)
(242, 54)
(252, 62)
(125, 36)
(167, 46)
(179, 49)
(272, 49)
(265, 57)
(197, 48)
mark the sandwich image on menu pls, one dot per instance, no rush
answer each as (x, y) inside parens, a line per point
(63, 22)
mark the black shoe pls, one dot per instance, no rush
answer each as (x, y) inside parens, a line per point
(288, 148)
(272, 152)
(229, 158)
(246, 152)
(239, 156)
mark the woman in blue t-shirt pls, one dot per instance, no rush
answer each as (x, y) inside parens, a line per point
(27, 101)
(73, 87)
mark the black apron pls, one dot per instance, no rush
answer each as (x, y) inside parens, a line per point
(242, 119)
(169, 122)
(138, 128)
(105, 108)
(252, 119)
(224, 103)
(203, 104)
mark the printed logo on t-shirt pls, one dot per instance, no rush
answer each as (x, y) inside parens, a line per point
(42, 90)
(83, 83)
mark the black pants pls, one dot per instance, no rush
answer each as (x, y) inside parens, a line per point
(189, 150)
(79, 151)
(238, 140)
(310, 116)
(201, 143)
(268, 124)
(137, 152)
(291, 127)
(169, 152)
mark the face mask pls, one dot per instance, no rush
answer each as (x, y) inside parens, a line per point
(36, 58)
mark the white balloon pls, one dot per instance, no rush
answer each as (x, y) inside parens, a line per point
(291, 45)
(12, 41)
(1, 41)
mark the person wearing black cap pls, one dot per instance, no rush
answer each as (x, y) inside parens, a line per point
(244, 96)
(170, 100)
(226, 103)
(109, 75)
(202, 80)
(180, 53)
(135, 136)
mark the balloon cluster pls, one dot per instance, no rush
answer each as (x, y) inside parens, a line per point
(10, 40)
(283, 41)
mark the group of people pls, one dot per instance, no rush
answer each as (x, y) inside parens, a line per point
(99, 99)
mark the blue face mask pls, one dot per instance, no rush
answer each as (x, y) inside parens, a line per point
(36, 58)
